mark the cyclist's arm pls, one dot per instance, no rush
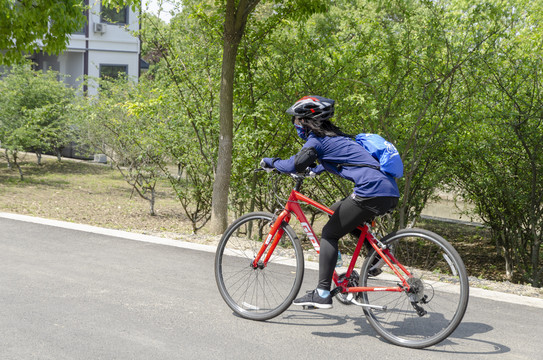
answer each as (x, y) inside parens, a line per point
(285, 166)
(305, 158)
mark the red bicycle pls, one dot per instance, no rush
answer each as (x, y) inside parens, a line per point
(417, 299)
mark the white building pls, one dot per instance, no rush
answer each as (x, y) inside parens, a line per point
(105, 46)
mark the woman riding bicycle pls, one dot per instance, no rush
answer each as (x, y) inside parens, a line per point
(374, 192)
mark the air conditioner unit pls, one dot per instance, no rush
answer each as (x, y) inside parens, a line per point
(100, 28)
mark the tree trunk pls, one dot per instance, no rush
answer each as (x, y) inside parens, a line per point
(509, 268)
(16, 163)
(152, 203)
(536, 245)
(221, 186)
(234, 25)
(10, 166)
(404, 206)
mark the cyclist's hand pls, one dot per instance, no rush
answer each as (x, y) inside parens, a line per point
(267, 164)
(313, 171)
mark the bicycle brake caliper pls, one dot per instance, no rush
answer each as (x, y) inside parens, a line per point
(275, 216)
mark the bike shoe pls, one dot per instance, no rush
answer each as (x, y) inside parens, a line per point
(312, 298)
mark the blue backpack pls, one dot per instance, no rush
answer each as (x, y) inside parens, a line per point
(384, 152)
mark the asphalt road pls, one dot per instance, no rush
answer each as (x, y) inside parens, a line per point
(71, 294)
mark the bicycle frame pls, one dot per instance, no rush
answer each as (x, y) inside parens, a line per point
(293, 207)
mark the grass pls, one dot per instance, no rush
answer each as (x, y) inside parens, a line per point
(86, 193)
(94, 194)
(474, 246)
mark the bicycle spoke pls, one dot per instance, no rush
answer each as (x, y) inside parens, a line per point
(438, 295)
(265, 291)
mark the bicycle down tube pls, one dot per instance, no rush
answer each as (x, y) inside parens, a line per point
(293, 206)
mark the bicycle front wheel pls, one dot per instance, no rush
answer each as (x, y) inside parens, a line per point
(266, 291)
(438, 296)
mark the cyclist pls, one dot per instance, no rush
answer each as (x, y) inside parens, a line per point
(374, 192)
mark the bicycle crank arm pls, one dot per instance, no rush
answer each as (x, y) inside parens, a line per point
(368, 306)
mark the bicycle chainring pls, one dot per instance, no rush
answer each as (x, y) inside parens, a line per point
(346, 298)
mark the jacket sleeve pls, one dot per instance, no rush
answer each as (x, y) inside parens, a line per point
(285, 166)
(305, 158)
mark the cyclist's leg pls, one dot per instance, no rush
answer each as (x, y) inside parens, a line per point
(355, 232)
(384, 205)
(348, 214)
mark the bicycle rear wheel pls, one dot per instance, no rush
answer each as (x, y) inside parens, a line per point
(259, 293)
(438, 298)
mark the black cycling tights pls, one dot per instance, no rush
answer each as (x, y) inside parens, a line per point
(348, 214)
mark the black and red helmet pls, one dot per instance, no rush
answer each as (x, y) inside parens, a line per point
(313, 107)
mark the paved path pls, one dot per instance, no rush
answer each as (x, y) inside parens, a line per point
(71, 291)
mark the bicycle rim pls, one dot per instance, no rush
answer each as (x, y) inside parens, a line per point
(264, 292)
(434, 307)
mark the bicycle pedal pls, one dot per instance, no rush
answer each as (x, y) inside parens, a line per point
(309, 307)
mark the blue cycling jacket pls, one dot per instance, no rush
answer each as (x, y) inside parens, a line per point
(333, 151)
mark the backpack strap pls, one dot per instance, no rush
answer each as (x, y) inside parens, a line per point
(339, 166)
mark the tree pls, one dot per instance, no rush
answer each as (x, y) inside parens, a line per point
(48, 128)
(236, 14)
(408, 82)
(393, 68)
(111, 124)
(186, 81)
(271, 54)
(29, 25)
(235, 20)
(34, 112)
(499, 156)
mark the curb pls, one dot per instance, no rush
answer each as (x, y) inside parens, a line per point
(474, 292)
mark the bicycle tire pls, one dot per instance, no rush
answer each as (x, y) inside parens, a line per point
(439, 285)
(264, 292)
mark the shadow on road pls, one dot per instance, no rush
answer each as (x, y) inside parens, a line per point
(464, 340)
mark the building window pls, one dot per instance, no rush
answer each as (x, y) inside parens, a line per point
(112, 16)
(83, 29)
(113, 71)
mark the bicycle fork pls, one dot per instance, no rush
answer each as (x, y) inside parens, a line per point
(275, 234)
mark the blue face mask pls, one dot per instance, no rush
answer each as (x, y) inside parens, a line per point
(301, 132)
